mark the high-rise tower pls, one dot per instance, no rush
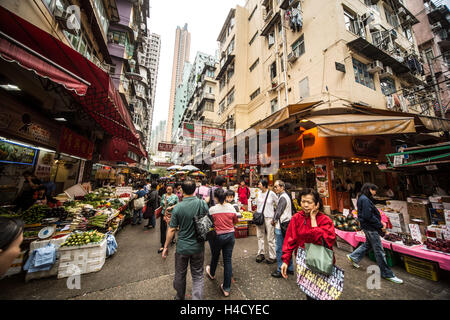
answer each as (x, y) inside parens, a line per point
(181, 55)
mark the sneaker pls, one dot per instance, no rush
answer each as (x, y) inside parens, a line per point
(260, 258)
(271, 261)
(276, 274)
(352, 262)
(395, 280)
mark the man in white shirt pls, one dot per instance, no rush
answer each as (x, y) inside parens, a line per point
(269, 229)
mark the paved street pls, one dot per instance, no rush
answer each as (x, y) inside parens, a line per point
(137, 272)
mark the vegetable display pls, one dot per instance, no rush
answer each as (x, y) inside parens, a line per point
(83, 238)
(348, 223)
(35, 214)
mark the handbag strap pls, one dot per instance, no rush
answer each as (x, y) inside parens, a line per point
(265, 200)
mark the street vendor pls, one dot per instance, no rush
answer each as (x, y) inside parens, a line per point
(244, 194)
(30, 185)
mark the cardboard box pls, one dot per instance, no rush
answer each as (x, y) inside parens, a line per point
(396, 230)
(252, 229)
(437, 205)
(397, 220)
(437, 216)
(418, 211)
(447, 217)
(344, 245)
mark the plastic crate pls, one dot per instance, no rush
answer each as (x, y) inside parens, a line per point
(240, 232)
(392, 258)
(422, 268)
(84, 259)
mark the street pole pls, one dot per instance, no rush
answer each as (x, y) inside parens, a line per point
(436, 87)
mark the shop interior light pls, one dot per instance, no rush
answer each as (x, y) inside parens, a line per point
(344, 160)
(304, 120)
(61, 119)
(10, 87)
(353, 161)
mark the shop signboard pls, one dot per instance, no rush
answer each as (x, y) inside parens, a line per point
(44, 165)
(322, 180)
(16, 153)
(74, 144)
(367, 146)
(398, 160)
(203, 133)
(171, 147)
(163, 164)
(17, 122)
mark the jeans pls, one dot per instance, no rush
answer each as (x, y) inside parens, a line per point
(136, 214)
(224, 243)
(151, 221)
(179, 282)
(279, 244)
(373, 241)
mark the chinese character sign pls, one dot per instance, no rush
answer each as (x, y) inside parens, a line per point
(76, 145)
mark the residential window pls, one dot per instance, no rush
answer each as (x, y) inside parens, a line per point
(387, 86)
(373, 6)
(230, 47)
(222, 82)
(362, 75)
(271, 38)
(230, 97)
(230, 71)
(253, 12)
(408, 34)
(273, 70)
(299, 46)
(282, 63)
(255, 94)
(222, 106)
(280, 32)
(429, 55)
(253, 66)
(391, 17)
(350, 20)
(253, 38)
(274, 105)
(98, 4)
(209, 106)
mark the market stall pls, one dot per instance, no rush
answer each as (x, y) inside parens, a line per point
(78, 223)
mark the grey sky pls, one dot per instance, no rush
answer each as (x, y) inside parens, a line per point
(205, 19)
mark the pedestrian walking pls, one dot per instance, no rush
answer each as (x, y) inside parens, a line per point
(265, 203)
(168, 202)
(370, 220)
(202, 192)
(188, 250)
(11, 237)
(152, 205)
(281, 218)
(137, 210)
(224, 217)
(243, 194)
(230, 199)
(220, 182)
(179, 191)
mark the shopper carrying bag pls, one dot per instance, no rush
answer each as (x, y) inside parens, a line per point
(258, 217)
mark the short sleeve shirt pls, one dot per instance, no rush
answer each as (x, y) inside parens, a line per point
(183, 217)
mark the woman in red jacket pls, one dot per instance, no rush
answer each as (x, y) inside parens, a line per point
(307, 226)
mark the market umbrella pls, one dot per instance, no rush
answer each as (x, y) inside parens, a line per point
(190, 168)
(180, 172)
(197, 174)
(175, 167)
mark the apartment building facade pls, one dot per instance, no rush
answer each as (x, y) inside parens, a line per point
(326, 74)
(432, 35)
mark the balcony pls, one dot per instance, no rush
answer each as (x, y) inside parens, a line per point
(286, 4)
(274, 19)
(225, 65)
(438, 14)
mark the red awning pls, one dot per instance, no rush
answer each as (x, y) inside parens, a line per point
(102, 101)
(12, 52)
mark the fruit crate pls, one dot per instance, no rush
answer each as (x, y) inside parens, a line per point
(240, 232)
(392, 258)
(422, 268)
(82, 259)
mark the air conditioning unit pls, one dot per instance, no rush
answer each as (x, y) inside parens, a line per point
(292, 56)
(437, 26)
(387, 72)
(401, 12)
(376, 66)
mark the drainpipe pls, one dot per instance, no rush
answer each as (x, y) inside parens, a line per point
(285, 57)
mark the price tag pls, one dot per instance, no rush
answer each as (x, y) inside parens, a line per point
(346, 212)
(415, 232)
(122, 190)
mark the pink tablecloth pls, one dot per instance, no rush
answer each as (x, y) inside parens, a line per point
(415, 251)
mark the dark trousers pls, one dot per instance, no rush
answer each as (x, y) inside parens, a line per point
(179, 282)
(225, 243)
(151, 221)
(163, 226)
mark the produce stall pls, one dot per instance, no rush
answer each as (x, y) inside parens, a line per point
(73, 226)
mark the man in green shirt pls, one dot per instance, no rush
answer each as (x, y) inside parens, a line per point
(188, 249)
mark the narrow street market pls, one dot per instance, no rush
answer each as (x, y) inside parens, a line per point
(307, 159)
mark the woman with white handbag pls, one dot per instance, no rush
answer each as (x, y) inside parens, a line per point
(138, 205)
